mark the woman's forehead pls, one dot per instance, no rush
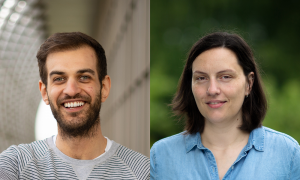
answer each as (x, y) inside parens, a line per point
(216, 60)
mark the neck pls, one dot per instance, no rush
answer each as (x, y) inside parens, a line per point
(223, 136)
(82, 147)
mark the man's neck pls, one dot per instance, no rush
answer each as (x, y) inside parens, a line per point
(83, 148)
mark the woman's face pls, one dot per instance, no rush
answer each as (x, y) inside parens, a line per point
(219, 85)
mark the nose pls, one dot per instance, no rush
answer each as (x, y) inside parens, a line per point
(213, 88)
(72, 88)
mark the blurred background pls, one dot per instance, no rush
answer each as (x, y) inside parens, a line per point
(271, 28)
(122, 27)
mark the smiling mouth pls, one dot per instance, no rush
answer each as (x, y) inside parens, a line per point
(213, 103)
(216, 104)
(73, 104)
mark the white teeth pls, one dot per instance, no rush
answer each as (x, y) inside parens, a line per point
(73, 104)
(214, 103)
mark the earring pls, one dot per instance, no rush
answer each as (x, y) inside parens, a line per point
(246, 95)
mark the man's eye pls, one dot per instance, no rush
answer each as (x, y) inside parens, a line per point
(84, 77)
(59, 79)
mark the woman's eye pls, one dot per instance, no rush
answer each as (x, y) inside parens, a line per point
(201, 78)
(225, 77)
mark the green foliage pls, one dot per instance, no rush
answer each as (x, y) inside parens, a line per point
(284, 112)
(270, 28)
(162, 89)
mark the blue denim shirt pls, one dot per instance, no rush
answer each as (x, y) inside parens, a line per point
(268, 155)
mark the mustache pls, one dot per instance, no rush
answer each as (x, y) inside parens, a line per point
(87, 98)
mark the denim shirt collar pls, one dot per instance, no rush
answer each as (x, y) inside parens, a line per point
(256, 140)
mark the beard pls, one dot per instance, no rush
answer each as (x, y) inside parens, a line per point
(83, 123)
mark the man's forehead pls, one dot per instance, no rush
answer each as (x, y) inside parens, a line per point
(72, 60)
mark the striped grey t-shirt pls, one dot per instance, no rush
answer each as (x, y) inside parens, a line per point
(43, 160)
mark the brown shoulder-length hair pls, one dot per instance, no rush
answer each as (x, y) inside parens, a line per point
(70, 41)
(254, 107)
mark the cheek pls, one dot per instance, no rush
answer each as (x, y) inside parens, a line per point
(54, 93)
(235, 91)
(199, 92)
(90, 89)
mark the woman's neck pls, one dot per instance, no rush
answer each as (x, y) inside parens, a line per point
(223, 136)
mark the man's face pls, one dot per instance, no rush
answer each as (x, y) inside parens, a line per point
(73, 90)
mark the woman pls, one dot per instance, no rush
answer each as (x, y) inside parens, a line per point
(222, 99)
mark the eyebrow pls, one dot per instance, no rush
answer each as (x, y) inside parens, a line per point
(81, 71)
(86, 71)
(226, 70)
(56, 72)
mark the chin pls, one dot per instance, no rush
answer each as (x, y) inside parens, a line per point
(215, 119)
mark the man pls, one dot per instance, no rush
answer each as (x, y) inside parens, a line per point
(74, 82)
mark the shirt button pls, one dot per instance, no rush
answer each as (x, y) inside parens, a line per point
(232, 167)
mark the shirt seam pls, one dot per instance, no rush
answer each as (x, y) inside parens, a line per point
(292, 162)
(154, 157)
(282, 134)
(30, 148)
(125, 162)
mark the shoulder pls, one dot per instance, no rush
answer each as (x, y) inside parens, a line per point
(282, 139)
(34, 149)
(169, 148)
(173, 145)
(173, 156)
(131, 156)
(281, 143)
(286, 150)
(14, 159)
(175, 140)
(137, 162)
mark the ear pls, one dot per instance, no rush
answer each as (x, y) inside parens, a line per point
(250, 82)
(106, 84)
(43, 91)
